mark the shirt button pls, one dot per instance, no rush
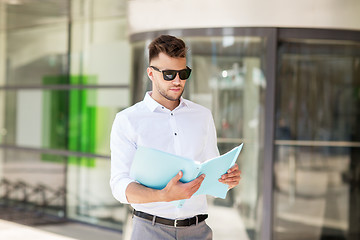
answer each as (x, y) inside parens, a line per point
(172, 114)
(175, 134)
(162, 107)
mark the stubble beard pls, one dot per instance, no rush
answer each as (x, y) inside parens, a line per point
(162, 93)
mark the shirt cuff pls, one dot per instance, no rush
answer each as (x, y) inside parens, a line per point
(119, 189)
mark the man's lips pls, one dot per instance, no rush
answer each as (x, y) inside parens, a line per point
(175, 89)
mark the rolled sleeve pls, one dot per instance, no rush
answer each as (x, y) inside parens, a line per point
(123, 149)
(118, 188)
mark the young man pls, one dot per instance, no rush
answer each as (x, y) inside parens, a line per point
(167, 122)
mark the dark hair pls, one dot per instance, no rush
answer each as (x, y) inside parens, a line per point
(170, 45)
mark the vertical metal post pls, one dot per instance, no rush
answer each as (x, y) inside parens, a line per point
(266, 231)
(2, 42)
(68, 73)
(2, 79)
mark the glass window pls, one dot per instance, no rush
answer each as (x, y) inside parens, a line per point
(32, 180)
(90, 116)
(75, 120)
(106, 9)
(317, 142)
(109, 8)
(31, 13)
(46, 109)
(35, 53)
(99, 43)
(88, 196)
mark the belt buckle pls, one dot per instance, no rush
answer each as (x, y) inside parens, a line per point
(175, 223)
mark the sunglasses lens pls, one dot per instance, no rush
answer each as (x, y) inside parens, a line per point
(169, 75)
(184, 74)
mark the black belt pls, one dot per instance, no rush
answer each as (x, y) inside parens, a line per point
(175, 223)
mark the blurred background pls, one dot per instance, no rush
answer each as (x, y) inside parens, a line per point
(282, 77)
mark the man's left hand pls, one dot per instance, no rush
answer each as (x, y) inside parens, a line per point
(231, 177)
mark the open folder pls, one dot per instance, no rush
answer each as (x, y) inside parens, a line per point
(154, 169)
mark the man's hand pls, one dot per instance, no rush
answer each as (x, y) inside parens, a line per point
(232, 177)
(176, 190)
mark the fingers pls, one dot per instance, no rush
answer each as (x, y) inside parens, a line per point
(176, 179)
(233, 168)
(178, 176)
(232, 177)
(230, 180)
(191, 187)
(231, 174)
(198, 181)
(194, 185)
(176, 190)
(233, 171)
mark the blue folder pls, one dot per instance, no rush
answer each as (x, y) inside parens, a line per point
(154, 169)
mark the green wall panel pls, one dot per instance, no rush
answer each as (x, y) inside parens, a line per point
(70, 119)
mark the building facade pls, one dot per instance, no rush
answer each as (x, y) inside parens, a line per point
(281, 77)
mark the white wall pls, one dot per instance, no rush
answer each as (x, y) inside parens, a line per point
(29, 113)
(150, 15)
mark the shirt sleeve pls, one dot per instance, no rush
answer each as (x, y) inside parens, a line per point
(211, 149)
(123, 148)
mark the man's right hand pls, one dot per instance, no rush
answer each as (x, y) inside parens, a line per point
(176, 190)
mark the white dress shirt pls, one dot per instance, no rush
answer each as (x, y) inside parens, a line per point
(187, 131)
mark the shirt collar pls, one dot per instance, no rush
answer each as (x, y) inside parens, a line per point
(152, 104)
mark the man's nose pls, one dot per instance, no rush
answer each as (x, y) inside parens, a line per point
(177, 80)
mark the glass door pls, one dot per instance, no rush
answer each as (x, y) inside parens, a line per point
(317, 140)
(228, 78)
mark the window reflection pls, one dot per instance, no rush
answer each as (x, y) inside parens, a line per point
(34, 54)
(88, 199)
(317, 145)
(32, 13)
(31, 182)
(57, 107)
(77, 120)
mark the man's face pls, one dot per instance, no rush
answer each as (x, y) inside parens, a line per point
(166, 90)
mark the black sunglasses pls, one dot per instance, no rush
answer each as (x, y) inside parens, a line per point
(171, 74)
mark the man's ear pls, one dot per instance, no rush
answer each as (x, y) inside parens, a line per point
(150, 73)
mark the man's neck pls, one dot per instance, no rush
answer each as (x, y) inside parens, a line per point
(169, 104)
